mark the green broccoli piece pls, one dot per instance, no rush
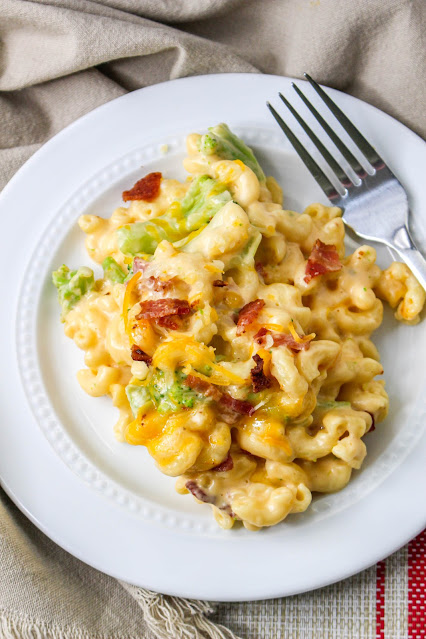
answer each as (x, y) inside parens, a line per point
(246, 258)
(139, 398)
(330, 405)
(144, 237)
(165, 396)
(205, 197)
(222, 142)
(182, 396)
(113, 271)
(72, 285)
(169, 397)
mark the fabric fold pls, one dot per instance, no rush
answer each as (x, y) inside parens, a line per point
(59, 59)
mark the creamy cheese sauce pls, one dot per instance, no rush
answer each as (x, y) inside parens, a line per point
(302, 432)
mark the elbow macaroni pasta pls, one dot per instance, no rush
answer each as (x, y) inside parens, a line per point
(306, 432)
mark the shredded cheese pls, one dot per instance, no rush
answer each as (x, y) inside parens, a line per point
(127, 300)
(300, 339)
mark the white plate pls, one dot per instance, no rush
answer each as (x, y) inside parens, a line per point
(105, 502)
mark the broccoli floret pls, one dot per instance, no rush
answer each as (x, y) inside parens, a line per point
(113, 271)
(166, 393)
(246, 258)
(169, 395)
(204, 198)
(138, 397)
(182, 395)
(72, 285)
(144, 237)
(222, 142)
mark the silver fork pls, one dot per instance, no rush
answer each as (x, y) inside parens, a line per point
(377, 207)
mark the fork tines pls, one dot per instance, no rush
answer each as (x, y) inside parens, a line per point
(363, 145)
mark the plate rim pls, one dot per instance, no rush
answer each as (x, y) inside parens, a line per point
(28, 167)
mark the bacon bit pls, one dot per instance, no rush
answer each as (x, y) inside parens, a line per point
(238, 405)
(323, 259)
(220, 283)
(146, 189)
(199, 493)
(138, 355)
(156, 309)
(261, 333)
(280, 339)
(260, 269)
(258, 377)
(139, 264)
(156, 284)
(203, 387)
(248, 314)
(209, 390)
(197, 384)
(171, 322)
(227, 464)
(290, 342)
(196, 305)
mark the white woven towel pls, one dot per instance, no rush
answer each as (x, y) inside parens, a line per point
(60, 59)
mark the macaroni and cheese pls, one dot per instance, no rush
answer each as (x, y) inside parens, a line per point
(233, 335)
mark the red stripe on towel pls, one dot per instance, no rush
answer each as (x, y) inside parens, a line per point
(380, 599)
(417, 587)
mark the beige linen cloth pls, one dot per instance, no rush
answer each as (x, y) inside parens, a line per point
(60, 59)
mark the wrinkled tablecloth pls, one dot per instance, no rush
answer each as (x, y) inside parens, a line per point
(60, 59)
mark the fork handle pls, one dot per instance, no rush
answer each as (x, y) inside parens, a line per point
(403, 244)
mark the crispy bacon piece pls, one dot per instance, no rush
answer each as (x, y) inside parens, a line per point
(172, 322)
(138, 355)
(203, 387)
(139, 264)
(227, 464)
(160, 309)
(197, 384)
(258, 377)
(198, 492)
(209, 390)
(146, 189)
(154, 283)
(323, 259)
(248, 314)
(290, 342)
(238, 405)
(260, 269)
(220, 283)
(260, 335)
(281, 338)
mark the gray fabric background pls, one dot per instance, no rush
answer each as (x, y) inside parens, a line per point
(60, 59)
